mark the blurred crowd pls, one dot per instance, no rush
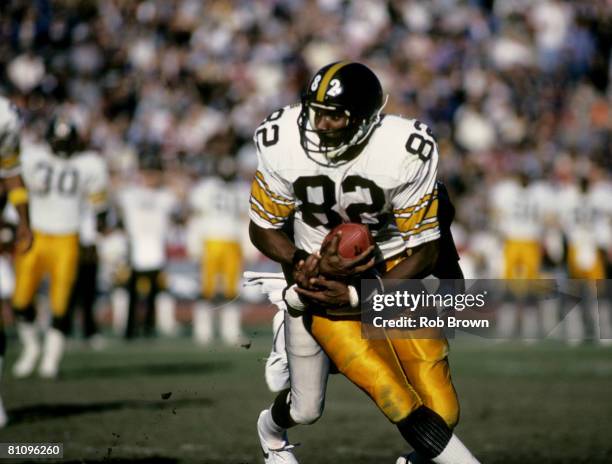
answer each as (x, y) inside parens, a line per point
(507, 86)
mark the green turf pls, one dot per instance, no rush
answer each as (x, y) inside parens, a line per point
(520, 404)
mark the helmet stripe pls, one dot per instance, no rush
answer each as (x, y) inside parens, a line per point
(327, 78)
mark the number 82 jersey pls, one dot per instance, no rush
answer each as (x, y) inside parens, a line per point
(390, 186)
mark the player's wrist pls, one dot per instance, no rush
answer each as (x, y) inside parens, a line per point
(292, 298)
(353, 296)
(299, 255)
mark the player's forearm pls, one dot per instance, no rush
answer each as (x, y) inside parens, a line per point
(272, 243)
(18, 196)
(418, 265)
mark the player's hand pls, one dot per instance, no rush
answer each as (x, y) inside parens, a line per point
(330, 292)
(332, 264)
(23, 238)
(305, 271)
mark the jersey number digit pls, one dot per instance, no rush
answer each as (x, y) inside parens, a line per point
(262, 134)
(66, 181)
(376, 204)
(418, 145)
(318, 196)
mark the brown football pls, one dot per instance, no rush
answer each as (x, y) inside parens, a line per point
(354, 240)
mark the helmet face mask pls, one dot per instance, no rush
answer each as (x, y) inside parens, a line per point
(347, 93)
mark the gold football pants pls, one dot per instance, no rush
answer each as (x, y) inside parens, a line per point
(596, 271)
(522, 259)
(399, 374)
(53, 255)
(221, 260)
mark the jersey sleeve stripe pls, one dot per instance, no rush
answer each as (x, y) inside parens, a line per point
(426, 214)
(97, 198)
(259, 177)
(257, 209)
(9, 162)
(266, 212)
(267, 204)
(420, 229)
(275, 198)
(423, 200)
(6, 173)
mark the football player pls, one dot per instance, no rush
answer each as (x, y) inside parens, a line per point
(522, 209)
(584, 212)
(218, 203)
(344, 161)
(13, 189)
(60, 177)
(523, 213)
(147, 211)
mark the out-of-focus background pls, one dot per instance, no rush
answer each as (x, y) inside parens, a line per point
(517, 94)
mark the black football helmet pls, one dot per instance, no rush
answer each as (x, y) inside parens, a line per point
(343, 87)
(63, 137)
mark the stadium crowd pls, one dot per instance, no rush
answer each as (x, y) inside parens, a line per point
(508, 86)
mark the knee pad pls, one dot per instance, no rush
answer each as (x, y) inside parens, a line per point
(307, 413)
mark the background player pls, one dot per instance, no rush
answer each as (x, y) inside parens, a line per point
(13, 189)
(219, 206)
(147, 211)
(60, 177)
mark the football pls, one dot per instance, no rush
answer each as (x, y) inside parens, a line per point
(354, 240)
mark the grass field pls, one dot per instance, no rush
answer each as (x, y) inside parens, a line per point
(545, 403)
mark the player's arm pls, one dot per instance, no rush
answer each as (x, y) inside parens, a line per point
(419, 264)
(274, 244)
(97, 193)
(18, 196)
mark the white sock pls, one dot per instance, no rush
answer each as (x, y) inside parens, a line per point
(530, 323)
(53, 352)
(165, 319)
(455, 452)
(230, 323)
(119, 305)
(28, 336)
(3, 416)
(272, 433)
(202, 320)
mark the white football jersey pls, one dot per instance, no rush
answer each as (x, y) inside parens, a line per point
(586, 216)
(521, 212)
(9, 139)
(147, 214)
(390, 185)
(220, 208)
(58, 187)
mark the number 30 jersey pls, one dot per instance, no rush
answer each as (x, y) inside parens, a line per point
(390, 186)
(60, 187)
